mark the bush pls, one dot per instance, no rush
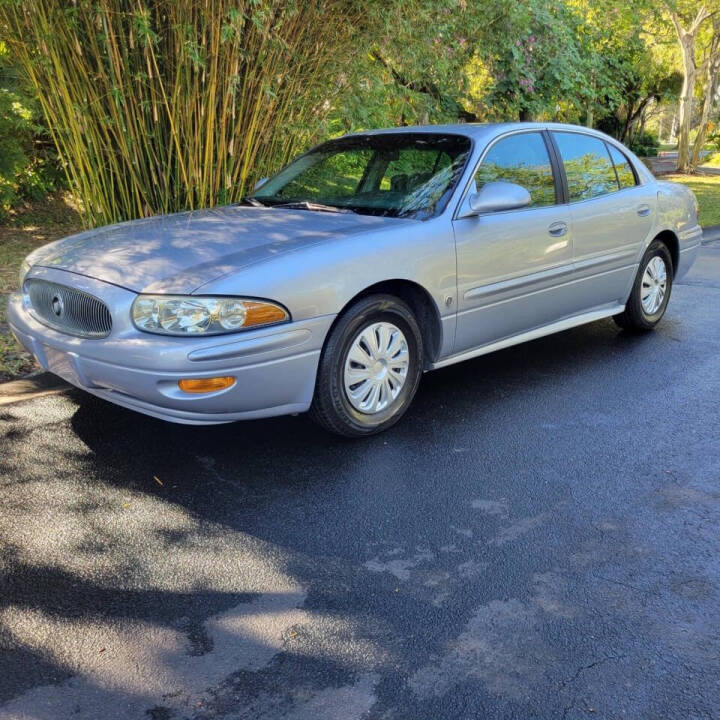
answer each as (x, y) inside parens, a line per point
(645, 144)
(713, 138)
(29, 167)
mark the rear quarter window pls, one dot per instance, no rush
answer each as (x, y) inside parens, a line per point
(626, 176)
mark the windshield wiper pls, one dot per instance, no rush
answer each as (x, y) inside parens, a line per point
(253, 202)
(318, 207)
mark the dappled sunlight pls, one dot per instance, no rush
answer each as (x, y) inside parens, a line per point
(116, 596)
(143, 658)
(177, 253)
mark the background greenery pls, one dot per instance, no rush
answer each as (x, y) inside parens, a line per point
(159, 105)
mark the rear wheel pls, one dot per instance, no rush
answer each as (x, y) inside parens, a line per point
(370, 368)
(651, 290)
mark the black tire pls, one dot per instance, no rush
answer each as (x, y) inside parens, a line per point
(634, 317)
(331, 407)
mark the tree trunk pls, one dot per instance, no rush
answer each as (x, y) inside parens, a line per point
(685, 104)
(701, 136)
(712, 70)
(687, 40)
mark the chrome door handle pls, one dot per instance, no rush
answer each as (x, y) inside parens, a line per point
(558, 229)
(643, 210)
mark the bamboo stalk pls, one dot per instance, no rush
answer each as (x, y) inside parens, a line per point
(162, 105)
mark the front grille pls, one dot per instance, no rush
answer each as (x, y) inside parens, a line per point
(67, 309)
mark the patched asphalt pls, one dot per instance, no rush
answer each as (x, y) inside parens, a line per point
(539, 538)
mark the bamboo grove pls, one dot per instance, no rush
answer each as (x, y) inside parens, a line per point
(174, 104)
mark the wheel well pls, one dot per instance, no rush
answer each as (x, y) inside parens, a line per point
(669, 239)
(422, 305)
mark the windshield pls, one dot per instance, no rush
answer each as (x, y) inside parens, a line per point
(394, 174)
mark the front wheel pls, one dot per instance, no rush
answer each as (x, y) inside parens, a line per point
(651, 290)
(370, 368)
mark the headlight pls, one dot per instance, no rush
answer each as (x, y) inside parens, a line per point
(24, 270)
(188, 315)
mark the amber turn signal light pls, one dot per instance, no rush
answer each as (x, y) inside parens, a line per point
(262, 313)
(205, 385)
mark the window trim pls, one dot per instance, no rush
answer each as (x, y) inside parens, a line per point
(543, 132)
(628, 161)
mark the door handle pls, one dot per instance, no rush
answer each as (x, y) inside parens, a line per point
(643, 210)
(558, 229)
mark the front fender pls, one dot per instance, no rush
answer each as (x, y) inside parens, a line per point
(321, 280)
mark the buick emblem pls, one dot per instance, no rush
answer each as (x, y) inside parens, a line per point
(57, 305)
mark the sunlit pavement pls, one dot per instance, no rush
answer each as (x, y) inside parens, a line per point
(540, 537)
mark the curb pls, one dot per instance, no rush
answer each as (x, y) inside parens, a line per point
(31, 387)
(711, 234)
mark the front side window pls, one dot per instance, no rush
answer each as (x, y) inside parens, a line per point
(522, 159)
(393, 174)
(589, 170)
(626, 176)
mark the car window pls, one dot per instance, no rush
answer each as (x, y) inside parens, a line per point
(412, 168)
(589, 170)
(626, 176)
(401, 174)
(336, 174)
(521, 159)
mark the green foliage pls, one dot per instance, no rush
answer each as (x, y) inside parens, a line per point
(28, 167)
(645, 144)
(713, 139)
(171, 104)
(161, 105)
(539, 64)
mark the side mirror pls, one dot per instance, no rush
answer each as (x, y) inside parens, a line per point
(260, 183)
(497, 196)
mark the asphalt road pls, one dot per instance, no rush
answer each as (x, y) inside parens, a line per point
(539, 538)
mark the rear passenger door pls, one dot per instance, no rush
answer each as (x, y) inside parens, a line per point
(611, 217)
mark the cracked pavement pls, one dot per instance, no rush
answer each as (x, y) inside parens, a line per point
(537, 538)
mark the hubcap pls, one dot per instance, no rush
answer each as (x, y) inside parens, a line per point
(376, 367)
(654, 285)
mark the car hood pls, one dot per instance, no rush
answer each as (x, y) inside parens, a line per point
(181, 253)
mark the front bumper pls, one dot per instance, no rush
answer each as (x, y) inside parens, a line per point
(274, 367)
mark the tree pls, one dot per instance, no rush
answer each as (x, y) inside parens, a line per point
(710, 72)
(687, 37)
(542, 67)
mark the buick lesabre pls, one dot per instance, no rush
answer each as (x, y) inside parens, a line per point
(367, 261)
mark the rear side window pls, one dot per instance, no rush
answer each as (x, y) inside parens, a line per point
(626, 176)
(589, 170)
(521, 159)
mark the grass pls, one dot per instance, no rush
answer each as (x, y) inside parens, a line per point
(712, 160)
(707, 191)
(21, 232)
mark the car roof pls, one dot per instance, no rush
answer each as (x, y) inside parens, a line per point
(480, 129)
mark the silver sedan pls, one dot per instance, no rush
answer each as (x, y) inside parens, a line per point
(367, 261)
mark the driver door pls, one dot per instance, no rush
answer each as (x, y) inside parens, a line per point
(513, 266)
